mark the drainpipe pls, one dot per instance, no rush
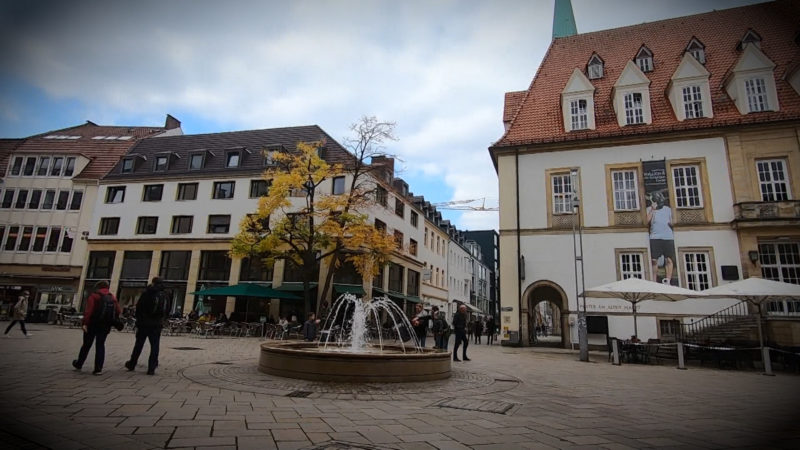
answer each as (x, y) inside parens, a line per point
(519, 250)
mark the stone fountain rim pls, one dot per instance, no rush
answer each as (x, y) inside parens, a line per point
(304, 348)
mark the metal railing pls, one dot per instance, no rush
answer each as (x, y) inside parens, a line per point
(695, 331)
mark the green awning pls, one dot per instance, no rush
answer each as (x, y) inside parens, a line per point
(342, 288)
(294, 286)
(246, 290)
(413, 299)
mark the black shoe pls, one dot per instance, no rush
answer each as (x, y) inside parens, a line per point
(456, 359)
(75, 364)
(467, 359)
(151, 372)
(130, 366)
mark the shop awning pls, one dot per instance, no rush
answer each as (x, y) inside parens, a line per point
(342, 288)
(246, 290)
(473, 308)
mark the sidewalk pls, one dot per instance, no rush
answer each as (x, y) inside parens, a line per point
(207, 393)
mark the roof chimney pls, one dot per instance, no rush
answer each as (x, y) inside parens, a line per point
(384, 166)
(172, 123)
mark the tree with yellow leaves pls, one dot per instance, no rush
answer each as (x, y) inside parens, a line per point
(300, 224)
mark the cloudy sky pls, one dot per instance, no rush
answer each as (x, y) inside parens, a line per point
(438, 69)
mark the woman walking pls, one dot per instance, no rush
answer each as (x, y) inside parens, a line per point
(19, 313)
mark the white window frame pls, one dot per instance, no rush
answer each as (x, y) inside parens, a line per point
(562, 197)
(697, 268)
(757, 97)
(692, 101)
(784, 259)
(629, 259)
(625, 188)
(776, 190)
(579, 114)
(634, 113)
(688, 187)
(645, 63)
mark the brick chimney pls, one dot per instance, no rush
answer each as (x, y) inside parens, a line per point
(172, 123)
(384, 166)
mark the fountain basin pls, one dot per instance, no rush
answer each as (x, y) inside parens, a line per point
(306, 361)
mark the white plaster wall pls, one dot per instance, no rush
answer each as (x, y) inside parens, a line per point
(591, 164)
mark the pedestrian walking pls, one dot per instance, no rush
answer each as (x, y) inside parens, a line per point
(460, 327)
(490, 330)
(102, 311)
(470, 328)
(437, 327)
(478, 330)
(19, 312)
(149, 321)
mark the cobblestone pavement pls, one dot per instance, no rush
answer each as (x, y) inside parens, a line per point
(207, 393)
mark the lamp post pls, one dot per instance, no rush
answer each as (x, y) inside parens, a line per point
(577, 249)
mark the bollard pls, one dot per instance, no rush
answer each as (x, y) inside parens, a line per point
(767, 362)
(615, 351)
(681, 364)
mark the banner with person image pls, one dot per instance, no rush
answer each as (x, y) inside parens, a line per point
(663, 265)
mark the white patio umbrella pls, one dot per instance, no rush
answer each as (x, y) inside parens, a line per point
(757, 291)
(636, 290)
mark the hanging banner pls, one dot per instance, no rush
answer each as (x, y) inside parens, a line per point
(664, 267)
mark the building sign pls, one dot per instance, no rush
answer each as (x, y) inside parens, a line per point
(659, 219)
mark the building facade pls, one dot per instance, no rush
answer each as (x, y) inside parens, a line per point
(489, 242)
(664, 151)
(49, 189)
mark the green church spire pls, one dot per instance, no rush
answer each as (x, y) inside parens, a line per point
(563, 20)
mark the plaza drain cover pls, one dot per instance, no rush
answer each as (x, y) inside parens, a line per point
(471, 404)
(299, 394)
(221, 363)
(186, 348)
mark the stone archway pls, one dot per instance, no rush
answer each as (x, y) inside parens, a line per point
(550, 292)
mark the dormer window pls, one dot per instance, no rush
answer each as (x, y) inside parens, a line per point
(161, 163)
(688, 90)
(594, 67)
(634, 112)
(127, 165)
(197, 161)
(697, 49)
(751, 82)
(750, 38)
(644, 59)
(756, 89)
(577, 103)
(232, 159)
(632, 97)
(269, 154)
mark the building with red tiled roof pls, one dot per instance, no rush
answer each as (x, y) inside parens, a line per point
(49, 186)
(673, 146)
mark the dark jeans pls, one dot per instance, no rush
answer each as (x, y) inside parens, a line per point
(421, 338)
(152, 334)
(490, 338)
(441, 341)
(461, 337)
(477, 338)
(89, 337)
(21, 325)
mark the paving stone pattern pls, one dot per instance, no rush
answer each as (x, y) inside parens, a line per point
(505, 398)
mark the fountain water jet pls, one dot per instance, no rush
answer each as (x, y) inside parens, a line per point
(349, 352)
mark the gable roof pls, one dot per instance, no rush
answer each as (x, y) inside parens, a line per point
(539, 119)
(103, 154)
(252, 141)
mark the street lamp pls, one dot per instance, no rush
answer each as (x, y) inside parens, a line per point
(577, 249)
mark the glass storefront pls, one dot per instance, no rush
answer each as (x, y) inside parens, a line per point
(215, 271)
(133, 280)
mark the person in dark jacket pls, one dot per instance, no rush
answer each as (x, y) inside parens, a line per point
(460, 327)
(149, 320)
(478, 330)
(94, 330)
(310, 328)
(490, 329)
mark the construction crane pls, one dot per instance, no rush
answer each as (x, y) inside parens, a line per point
(466, 205)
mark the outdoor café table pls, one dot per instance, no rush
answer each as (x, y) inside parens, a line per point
(633, 351)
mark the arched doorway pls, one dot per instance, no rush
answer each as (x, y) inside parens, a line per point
(547, 315)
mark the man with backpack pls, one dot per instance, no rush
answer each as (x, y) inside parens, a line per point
(102, 312)
(149, 320)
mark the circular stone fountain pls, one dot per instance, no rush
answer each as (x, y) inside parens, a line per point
(352, 357)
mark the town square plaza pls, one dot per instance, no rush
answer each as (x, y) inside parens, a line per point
(208, 393)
